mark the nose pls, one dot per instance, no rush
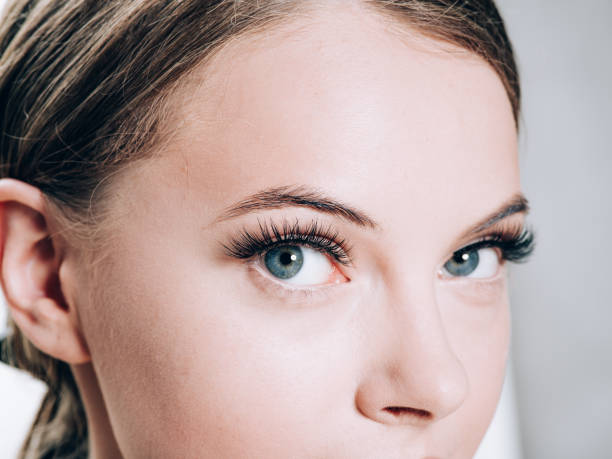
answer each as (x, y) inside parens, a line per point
(412, 375)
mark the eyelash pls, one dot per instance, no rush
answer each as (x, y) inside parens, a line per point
(323, 239)
(514, 244)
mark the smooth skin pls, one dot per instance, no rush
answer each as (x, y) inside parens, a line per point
(183, 351)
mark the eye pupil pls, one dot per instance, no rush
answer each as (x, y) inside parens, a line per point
(284, 262)
(287, 258)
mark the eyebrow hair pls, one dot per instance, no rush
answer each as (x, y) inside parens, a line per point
(302, 196)
(297, 196)
(517, 204)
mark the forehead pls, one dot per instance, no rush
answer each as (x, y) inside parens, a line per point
(339, 101)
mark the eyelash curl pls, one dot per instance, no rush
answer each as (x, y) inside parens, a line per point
(323, 239)
(515, 244)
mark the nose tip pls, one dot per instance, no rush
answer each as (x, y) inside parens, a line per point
(416, 395)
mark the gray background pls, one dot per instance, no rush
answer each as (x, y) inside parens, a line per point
(561, 300)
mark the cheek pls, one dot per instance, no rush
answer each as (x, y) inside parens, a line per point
(197, 361)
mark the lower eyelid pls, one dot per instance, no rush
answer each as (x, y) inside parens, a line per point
(280, 291)
(485, 291)
(478, 291)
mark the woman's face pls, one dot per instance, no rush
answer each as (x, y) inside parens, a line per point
(354, 338)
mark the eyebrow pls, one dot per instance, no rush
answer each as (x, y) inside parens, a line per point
(517, 204)
(297, 196)
(303, 196)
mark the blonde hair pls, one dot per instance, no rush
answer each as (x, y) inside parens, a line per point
(84, 87)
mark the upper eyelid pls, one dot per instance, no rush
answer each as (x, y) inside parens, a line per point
(246, 244)
(480, 244)
(289, 241)
(520, 239)
(503, 228)
(266, 237)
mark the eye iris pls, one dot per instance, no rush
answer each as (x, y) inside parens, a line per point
(462, 263)
(285, 261)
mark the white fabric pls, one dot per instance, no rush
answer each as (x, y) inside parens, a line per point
(20, 397)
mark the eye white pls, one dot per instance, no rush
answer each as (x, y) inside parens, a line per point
(488, 264)
(316, 269)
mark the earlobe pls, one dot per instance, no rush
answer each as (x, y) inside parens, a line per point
(45, 326)
(29, 269)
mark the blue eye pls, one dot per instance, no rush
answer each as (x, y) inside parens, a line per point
(285, 261)
(298, 265)
(477, 263)
(462, 263)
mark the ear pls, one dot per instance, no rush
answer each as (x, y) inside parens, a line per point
(30, 261)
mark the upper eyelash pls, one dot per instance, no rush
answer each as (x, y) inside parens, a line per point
(516, 245)
(326, 240)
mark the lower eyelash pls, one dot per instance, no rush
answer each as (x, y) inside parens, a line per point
(326, 240)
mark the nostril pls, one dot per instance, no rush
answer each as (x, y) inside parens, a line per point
(401, 411)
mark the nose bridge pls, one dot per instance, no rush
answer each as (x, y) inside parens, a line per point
(414, 375)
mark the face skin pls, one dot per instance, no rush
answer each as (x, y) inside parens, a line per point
(199, 354)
